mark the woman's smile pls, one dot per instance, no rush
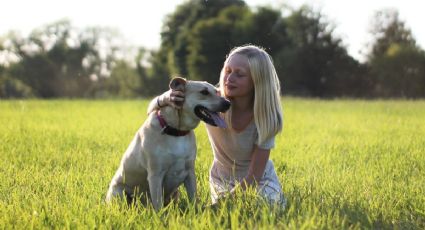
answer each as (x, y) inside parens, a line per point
(230, 87)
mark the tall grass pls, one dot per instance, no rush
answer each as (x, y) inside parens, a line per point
(343, 164)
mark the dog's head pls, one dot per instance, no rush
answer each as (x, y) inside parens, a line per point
(202, 99)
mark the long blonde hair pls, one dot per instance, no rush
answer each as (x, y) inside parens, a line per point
(268, 116)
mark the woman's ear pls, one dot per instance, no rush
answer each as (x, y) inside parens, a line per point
(178, 83)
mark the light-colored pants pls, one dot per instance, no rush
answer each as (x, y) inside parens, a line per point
(222, 182)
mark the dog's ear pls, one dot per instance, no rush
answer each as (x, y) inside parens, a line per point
(178, 83)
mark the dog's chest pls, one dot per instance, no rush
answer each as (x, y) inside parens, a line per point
(180, 157)
(184, 147)
(177, 171)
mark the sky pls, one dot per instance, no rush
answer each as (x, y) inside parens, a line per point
(139, 21)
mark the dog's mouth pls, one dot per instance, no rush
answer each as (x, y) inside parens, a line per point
(209, 117)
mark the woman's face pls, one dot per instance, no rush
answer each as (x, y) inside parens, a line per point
(237, 77)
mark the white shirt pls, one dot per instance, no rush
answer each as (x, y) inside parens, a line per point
(233, 149)
(232, 155)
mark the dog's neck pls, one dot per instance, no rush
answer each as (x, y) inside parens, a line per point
(179, 118)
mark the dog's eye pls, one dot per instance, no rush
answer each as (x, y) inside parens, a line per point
(205, 92)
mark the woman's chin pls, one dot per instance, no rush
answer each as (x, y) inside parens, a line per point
(229, 95)
(233, 94)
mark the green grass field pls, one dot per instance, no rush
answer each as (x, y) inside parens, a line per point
(343, 164)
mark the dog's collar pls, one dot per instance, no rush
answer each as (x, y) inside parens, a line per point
(168, 129)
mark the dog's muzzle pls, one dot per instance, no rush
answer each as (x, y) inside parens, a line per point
(212, 117)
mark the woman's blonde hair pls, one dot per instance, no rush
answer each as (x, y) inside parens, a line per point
(268, 115)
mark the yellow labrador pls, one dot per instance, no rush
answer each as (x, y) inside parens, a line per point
(162, 154)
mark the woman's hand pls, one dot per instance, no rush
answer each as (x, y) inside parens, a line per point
(173, 98)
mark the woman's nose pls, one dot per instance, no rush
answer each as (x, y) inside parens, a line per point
(231, 77)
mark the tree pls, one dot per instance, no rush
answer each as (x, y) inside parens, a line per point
(123, 82)
(212, 39)
(177, 30)
(268, 29)
(13, 88)
(396, 63)
(387, 29)
(309, 59)
(58, 60)
(153, 72)
(10, 87)
(315, 63)
(50, 61)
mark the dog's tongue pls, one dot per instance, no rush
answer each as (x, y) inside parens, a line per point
(218, 120)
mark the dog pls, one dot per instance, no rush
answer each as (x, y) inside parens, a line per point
(162, 154)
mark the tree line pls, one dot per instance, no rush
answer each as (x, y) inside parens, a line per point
(59, 60)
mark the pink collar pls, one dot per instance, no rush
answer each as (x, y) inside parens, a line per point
(168, 129)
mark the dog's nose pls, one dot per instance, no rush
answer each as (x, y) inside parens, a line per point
(225, 105)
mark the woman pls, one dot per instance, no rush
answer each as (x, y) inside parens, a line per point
(241, 151)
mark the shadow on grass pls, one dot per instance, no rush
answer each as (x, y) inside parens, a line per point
(356, 214)
(349, 214)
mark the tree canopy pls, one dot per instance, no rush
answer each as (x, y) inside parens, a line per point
(59, 60)
(397, 64)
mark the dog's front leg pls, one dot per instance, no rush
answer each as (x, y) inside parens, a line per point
(190, 184)
(155, 187)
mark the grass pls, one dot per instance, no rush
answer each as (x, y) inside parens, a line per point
(343, 164)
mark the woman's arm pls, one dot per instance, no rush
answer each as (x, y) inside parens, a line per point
(155, 104)
(256, 168)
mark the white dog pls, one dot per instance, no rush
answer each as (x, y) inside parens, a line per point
(162, 154)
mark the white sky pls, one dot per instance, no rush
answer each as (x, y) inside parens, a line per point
(139, 21)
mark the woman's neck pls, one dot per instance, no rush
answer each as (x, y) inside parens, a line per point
(242, 104)
(242, 113)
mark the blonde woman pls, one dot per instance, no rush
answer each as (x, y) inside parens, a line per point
(241, 151)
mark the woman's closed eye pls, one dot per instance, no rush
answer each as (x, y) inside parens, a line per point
(236, 73)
